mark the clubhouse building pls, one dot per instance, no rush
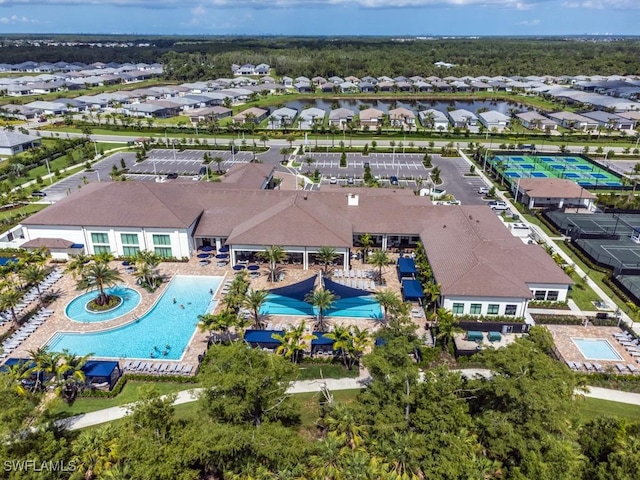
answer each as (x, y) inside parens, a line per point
(481, 268)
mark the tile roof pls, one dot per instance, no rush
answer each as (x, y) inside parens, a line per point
(553, 188)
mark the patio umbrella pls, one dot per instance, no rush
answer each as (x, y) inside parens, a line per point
(223, 249)
(222, 255)
(207, 248)
(253, 268)
(238, 267)
(203, 255)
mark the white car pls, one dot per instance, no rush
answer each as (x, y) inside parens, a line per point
(333, 180)
(483, 190)
(498, 205)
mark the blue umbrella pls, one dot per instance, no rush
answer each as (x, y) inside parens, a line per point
(222, 255)
(238, 267)
(203, 255)
(223, 249)
(253, 268)
(207, 248)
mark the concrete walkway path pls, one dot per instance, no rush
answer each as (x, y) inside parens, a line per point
(313, 386)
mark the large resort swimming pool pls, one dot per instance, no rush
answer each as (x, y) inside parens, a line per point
(163, 333)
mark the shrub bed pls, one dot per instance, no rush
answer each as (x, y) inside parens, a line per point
(547, 319)
(549, 305)
(114, 302)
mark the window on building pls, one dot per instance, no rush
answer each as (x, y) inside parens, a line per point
(161, 240)
(552, 295)
(510, 309)
(129, 238)
(100, 238)
(493, 309)
(540, 294)
(100, 242)
(130, 251)
(476, 309)
(457, 308)
(164, 252)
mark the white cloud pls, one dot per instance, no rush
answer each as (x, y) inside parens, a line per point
(603, 4)
(516, 4)
(15, 19)
(530, 23)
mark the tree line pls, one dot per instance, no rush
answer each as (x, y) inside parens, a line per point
(413, 421)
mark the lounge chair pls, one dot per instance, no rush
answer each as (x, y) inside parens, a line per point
(598, 367)
(632, 368)
(588, 366)
(577, 366)
(621, 368)
(569, 364)
(187, 370)
(134, 365)
(163, 368)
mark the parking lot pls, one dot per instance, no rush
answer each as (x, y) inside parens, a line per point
(407, 168)
(188, 162)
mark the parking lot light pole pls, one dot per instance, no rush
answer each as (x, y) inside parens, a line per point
(49, 171)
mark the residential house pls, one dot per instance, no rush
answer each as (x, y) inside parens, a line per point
(574, 121)
(494, 120)
(371, 117)
(434, 120)
(310, 117)
(341, 117)
(282, 118)
(402, 118)
(12, 143)
(610, 121)
(536, 121)
(253, 114)
(464, 119)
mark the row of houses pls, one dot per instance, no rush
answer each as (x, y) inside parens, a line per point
(96, 75)
(48, 67)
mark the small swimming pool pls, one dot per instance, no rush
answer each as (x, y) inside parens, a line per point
(596, 349)
(76, 309)
(162, 333)
(357, 307)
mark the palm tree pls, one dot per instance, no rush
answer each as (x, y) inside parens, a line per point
(9, 300)
(284, 151)
(293, 342)
(220, 322)
(18, 375)
(366, 241)
(343, 425)
(309, 160)
(326, 255)
(361, 341)
(321, 299)
(218, 161)
(253, 300)
(95, 452)
(274, 254)
(387, 300)
(103, 257)
(99, 276)
(264, 138)
(45, 364)
(379, 259)
(34, 274)
(342, 343)
(77, 264)
(69, 376)
(432, 290)
(447, 326)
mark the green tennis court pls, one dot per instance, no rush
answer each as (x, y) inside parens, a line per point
(576, 168)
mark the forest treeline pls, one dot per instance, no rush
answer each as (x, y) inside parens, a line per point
(194, 58)
(519, 425)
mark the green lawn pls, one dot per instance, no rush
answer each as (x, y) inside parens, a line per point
(582, 294)
(130, 393)
(31, 208)
(591, 408)
(309, 404)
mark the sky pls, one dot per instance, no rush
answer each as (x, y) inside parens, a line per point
(323, 17)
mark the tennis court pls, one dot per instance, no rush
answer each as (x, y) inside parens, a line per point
(576, 168)
(596, 224)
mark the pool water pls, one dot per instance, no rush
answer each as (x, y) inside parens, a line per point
(596, 349)
(76, 309)
(356, 307)
(162, 333)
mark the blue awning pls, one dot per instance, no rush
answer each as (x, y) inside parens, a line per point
(77, 245)
(406, 266)
(262, 337)
(99, 368)
(321, 340)
(412, 290)
(298, 290)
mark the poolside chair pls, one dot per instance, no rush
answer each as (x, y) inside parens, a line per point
(588, 366)
(134, 365)
(569, 364)
(577, 366)
(598, 367)
(632, 368)
(621, 368)
(187, 370)
(178, 369)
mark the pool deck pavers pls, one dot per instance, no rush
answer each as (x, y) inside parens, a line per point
(66, 288)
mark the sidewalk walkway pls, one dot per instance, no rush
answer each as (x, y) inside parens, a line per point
(311, 386)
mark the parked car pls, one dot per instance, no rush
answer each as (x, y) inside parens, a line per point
(172, 176)
(38, 193)
(333, 180)
(498, 205)
(393, 180)
(483, 190)
(350, 181)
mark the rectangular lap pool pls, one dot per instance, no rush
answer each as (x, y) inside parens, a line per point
(162, 333)
(596, 349)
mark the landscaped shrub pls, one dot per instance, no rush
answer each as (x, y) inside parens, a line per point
(547, 319)
(548, 304)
